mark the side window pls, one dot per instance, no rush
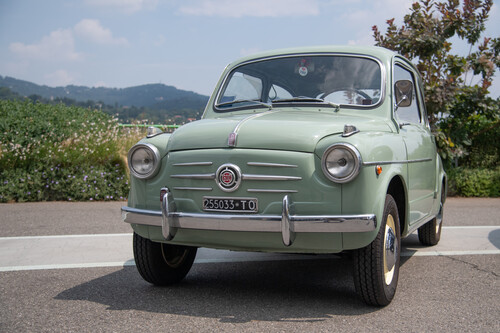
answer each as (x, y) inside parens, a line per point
(242, 86)
(410, 113)
(278, 92)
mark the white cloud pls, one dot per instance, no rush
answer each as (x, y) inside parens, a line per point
(93, 31)
(59, 45)
(59, 78)
(377, 13)
(255, 8)
(126, 6)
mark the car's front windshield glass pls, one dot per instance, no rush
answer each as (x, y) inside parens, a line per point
(331, 80)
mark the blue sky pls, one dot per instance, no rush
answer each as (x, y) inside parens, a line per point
(187, 44)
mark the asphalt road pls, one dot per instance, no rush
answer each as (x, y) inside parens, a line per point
(67, 267)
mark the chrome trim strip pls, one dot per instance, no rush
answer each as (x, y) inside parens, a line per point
(256, 190)
(141, 216)
(193, 164)
(257, 223)
(269, 177)
(398, 162)
(186, 188)
(210, 176)
(236, 129)
(287, 223)
(240, 123)
(195, 176)
(272, 165)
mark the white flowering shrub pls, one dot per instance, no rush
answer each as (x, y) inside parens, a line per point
(55, 152)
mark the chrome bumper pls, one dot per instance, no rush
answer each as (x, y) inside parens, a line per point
(287, 223)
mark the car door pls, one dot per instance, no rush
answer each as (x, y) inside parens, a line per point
(420, 147)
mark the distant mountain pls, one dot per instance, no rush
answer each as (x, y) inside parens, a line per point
(154, 96)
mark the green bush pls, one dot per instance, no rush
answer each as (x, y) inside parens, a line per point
(55, 152)
(64, 183)
(474, 182)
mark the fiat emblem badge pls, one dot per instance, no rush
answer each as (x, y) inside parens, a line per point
(228, 177)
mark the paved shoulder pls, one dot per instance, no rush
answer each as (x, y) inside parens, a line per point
(61, 218)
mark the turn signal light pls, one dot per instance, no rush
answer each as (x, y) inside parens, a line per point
(378, 170)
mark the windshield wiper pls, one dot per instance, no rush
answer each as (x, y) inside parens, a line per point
(307, 100)
(237, 101)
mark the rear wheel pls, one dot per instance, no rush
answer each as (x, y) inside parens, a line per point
(162, 264)
(376, 266)
(430, 233)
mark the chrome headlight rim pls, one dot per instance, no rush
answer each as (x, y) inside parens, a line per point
(357, 162)
(156, 160)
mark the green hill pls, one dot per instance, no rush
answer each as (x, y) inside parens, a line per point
(154, 96)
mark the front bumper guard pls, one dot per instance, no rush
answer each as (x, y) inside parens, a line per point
(288, 224)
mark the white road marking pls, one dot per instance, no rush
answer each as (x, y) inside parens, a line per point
(447, 253)
(471, 227)
(67, 266)
(65, 236)
(115, 250)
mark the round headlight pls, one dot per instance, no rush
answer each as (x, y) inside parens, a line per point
(144, 160)
(341, 162)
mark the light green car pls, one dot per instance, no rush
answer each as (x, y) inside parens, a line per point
(307, 150)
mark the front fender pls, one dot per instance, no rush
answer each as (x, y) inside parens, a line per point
(366, 193)
(159, 141)
(139, 191)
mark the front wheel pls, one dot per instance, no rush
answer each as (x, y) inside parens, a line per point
(376, 266)
(162, 264)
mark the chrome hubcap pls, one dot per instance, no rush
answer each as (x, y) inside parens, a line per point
(390, 249)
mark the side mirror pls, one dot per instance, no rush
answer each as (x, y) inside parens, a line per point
(403, 90)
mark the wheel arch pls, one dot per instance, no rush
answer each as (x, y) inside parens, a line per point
(441, 179)
(444, 186)
(397, 189)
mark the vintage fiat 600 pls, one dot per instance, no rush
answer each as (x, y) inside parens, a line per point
(308, 150)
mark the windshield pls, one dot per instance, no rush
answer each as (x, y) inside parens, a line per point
(331, 80)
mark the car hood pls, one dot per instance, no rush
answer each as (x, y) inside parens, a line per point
(276, 130)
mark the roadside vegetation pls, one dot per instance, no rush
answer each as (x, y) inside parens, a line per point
(56, 152)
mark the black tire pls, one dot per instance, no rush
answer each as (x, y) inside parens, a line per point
(162, 264)
(376, 266)
(430, 233)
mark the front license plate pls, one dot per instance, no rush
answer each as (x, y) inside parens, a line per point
(237, 205)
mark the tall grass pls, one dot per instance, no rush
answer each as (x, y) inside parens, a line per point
(55, 152)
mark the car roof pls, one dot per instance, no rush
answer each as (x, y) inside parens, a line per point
(381, 53)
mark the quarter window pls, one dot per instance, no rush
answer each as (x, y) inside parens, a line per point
(410, 113)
